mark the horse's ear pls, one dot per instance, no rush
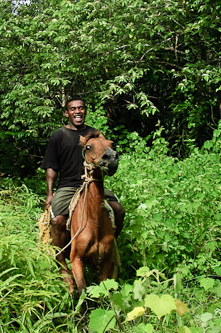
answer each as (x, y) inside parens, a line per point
(101, 136)
(82, 140)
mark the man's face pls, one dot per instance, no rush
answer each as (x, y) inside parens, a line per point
(76, 112)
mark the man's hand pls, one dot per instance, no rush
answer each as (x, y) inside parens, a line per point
(48, 201)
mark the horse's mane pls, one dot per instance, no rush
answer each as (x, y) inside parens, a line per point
(92, 135)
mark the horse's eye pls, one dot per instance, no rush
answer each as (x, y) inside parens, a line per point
(88, 147)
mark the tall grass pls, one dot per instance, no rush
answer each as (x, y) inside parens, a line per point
(32, 296)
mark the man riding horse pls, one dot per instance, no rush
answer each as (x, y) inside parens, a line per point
(63, 160)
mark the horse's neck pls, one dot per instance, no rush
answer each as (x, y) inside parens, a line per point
(95, 198)
(96, 192)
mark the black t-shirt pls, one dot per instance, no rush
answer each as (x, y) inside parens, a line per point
(64, 155)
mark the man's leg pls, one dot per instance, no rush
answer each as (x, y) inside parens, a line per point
(119, 214)
(58, 233)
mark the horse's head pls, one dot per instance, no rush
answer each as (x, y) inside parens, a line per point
(98, 151)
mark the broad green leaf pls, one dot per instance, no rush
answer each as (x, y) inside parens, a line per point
(160, 305)
(109, 284)
(126, 289)
(122, 302)
(217, 270)
(206, 283)
(207, 316)
(184, 329)
(148, 328)
(97, 291)
(142, 328)
(101, 320)
(138, 290)
(143, 271)
(217, 290)
(103, 288)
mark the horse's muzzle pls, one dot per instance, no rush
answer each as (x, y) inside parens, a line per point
(109, 162)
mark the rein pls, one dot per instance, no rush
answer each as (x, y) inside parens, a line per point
(87, 180)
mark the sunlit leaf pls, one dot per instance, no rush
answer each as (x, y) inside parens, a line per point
(109, 284)
(143, 271)
(160, 305)
(136, 312)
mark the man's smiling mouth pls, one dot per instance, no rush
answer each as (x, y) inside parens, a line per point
(78, 118)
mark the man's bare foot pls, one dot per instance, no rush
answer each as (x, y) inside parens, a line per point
(66, 276)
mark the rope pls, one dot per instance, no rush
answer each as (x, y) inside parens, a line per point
(44, 227)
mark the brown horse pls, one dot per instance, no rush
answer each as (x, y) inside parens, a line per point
(91, 227)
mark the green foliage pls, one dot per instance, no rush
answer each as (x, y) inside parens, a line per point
(136, 63)
(170, 251)
(137, 307)
(173, 209)
(102, 320)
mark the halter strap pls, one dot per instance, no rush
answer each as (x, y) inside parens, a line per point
(85, 160)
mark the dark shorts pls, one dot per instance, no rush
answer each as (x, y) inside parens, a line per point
(63, 196)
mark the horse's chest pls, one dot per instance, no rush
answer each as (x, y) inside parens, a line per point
(97, 250)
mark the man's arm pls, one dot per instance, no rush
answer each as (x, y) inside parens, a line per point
(51, 176)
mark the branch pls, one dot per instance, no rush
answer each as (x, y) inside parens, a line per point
(166, 40)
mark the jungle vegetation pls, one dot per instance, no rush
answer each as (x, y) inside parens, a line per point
(150, 74)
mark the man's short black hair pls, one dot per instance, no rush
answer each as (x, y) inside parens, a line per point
(74, 98)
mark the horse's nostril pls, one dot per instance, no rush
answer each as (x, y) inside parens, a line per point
(105, 157)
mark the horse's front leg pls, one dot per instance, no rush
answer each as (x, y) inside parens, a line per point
(77, 270)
